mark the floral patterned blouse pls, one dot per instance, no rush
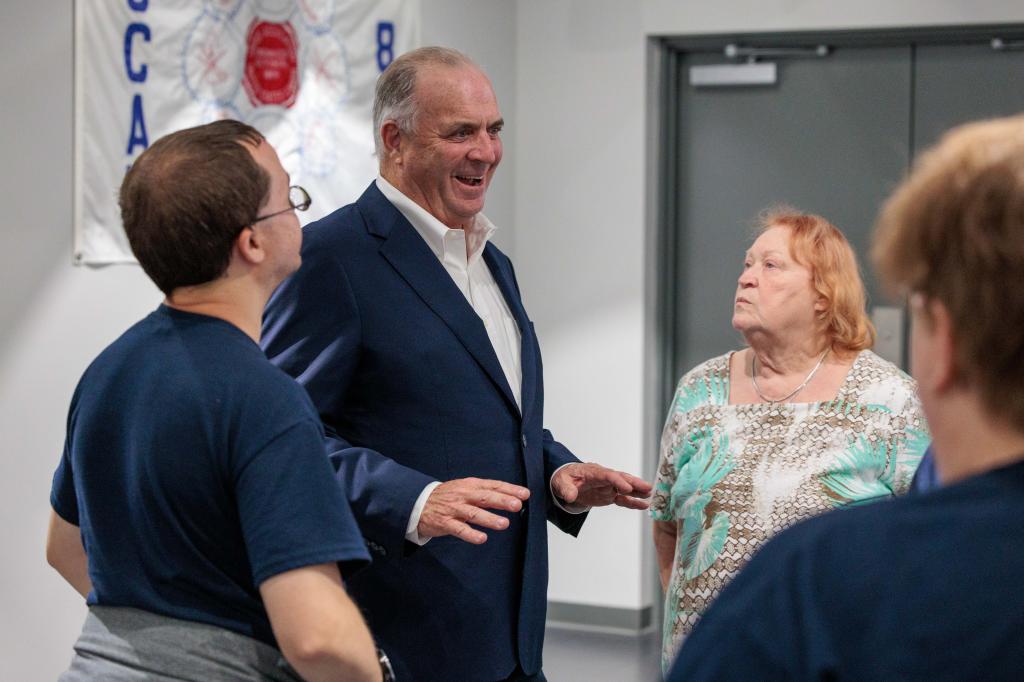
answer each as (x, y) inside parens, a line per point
(731, 476)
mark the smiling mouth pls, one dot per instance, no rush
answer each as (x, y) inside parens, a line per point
(471, 180)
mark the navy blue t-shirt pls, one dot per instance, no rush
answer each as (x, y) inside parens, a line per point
(196, 470)
(925, 587)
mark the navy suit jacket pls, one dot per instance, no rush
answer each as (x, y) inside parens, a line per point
(410, 391)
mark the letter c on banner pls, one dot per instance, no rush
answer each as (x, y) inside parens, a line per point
(138, 76)
(138, 5)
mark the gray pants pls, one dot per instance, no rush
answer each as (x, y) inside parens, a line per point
(122, 644)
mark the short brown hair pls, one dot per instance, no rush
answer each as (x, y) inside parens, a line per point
(954, 233)
(819, 246)
(187, 197)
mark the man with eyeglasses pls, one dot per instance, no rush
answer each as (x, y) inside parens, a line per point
(193, 506)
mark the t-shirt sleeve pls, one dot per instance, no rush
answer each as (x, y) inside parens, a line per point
(62, 490)
(292, 511)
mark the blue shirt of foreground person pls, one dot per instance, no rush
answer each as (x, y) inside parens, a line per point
(925, 587)
(193, 507)
(407, 328)
(926, 477)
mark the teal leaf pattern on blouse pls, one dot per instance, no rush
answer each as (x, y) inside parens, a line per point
(915, 443)
(859, 473)
(702, 462)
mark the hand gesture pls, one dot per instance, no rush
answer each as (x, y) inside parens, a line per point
(453, 505)
(593, 485)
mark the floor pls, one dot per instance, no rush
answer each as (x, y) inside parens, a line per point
(572, 655)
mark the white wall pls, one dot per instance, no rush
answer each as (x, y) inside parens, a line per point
(579, 260)
(671, 17)
(54, 317)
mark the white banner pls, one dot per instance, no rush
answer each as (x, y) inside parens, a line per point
(300, 71)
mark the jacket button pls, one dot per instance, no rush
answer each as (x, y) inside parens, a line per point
(524, 441)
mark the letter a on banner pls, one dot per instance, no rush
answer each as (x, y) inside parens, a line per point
(300, 71)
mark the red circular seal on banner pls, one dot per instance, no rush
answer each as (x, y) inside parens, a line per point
(271, 64)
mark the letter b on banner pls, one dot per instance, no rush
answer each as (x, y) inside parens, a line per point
(385, 44)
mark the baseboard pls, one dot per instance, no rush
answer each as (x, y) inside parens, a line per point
(600, 618)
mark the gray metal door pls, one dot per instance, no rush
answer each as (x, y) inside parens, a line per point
(834, 136)
(958, 83)
(831, 137)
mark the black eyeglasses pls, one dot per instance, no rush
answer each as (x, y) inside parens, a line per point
(297, 197)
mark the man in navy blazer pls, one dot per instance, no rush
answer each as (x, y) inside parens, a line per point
(407, 328)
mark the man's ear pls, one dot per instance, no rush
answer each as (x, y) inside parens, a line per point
(944, 372)
(249, 246)
(391, 136)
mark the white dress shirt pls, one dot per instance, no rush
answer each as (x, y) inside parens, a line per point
(460, 252)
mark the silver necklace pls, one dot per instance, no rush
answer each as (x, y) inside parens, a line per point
(762, 396)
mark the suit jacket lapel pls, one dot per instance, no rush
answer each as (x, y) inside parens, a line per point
(503, 278)
(407, 253)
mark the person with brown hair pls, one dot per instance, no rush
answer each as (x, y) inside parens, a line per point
(927, 587)
(193, 507)
(804, 419)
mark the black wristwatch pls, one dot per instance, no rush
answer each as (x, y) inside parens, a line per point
(385, 666)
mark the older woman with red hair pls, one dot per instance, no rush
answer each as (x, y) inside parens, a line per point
(804, 419)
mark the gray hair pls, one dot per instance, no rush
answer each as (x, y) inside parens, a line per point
(393, 98)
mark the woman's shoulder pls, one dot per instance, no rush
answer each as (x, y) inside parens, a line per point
(717, 366)
(709, 381)
(879, 381)
(875, 365)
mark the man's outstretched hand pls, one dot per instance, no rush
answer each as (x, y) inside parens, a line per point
(592, 485)
(453, 505)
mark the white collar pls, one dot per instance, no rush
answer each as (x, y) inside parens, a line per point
(436, 234)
